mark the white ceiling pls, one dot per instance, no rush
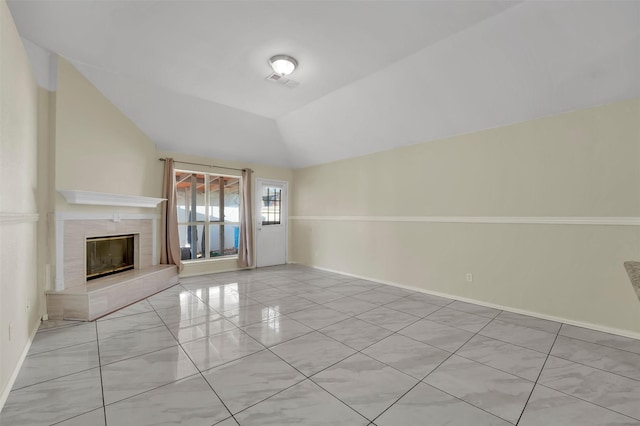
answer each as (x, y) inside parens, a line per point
(373, 74)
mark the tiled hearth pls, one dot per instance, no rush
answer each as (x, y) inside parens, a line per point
(74, 297)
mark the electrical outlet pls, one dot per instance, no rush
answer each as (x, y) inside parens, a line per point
(10, 330)
(469, 277)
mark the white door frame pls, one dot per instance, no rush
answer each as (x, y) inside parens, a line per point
(284, 214)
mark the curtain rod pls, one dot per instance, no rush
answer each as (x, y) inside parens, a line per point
(205, 165)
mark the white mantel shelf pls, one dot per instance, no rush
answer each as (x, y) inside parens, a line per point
(106, 199)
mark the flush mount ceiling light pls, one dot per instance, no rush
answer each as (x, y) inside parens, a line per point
(283, 64)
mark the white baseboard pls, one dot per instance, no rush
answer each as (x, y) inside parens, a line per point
(596, 327)
(16, 370)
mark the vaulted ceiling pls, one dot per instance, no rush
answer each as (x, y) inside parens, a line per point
(373, 75)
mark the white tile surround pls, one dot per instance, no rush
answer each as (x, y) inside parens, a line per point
(75, 298)
(72, 230)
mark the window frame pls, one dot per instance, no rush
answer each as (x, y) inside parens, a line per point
(207, 222)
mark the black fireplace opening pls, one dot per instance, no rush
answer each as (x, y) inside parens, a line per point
(109, 255)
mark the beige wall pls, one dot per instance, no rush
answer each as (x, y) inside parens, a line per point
(97, 147)
(19, 201)
(584, 163)
(264, 172)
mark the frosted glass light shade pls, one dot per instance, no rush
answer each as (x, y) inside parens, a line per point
(283, 64)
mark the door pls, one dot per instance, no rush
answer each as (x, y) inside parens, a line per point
(271, 222)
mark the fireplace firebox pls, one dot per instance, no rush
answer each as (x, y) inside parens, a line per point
(109, 255)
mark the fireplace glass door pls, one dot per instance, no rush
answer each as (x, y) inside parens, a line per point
(109, 255)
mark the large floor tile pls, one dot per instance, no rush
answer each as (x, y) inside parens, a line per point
(388, 318)
(351, 306)
(133, 309)
(303, 404)
(251, 314)
(228, 422)
(221, 348)
(62, 337)
(183, 299)
(92, 418)
(49, 402)
(463, 320)
(414, 307)
(599, 387)
(318, 316)
(377, 296)
(529, 322)
(267, 294)
(425, 405)
(296, 288)
(492, 390)
(398, 291)
(132, 376)
(289, 304)
(53, 324)
(432, 299)
(603, 357)
(189, 402)
(470, 308)
(194, 329)
(128, 324)
(322, 296)
(436, 334)
(181, 313)
(366, 385)
(349, 288)
(530, 338)
(605, 339)
(251, 379)
(276, 330)
(324, 282)
(356, 333)
(550, 408)
(407, 355)
(516, 360)
(220, 295)
(312, 352)
(60, 362)
(133, 344)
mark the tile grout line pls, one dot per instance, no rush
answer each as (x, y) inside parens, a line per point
(104, 407)
(198, 371)
(588, 402)
(537, 378)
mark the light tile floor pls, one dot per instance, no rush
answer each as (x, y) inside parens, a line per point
(296, 346)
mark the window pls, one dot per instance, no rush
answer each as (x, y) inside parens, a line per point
(208, 214)
(271, 201)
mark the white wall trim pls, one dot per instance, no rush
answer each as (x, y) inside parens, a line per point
(596, 327)
(16, 370)
(18, 217)
(106, 199)
(533, 220)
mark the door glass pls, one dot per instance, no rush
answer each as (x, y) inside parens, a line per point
(271, 202)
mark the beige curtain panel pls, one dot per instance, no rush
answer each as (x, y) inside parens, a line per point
(169, 238)
(245, 250)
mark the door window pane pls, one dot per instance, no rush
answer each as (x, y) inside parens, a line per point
(271, 202)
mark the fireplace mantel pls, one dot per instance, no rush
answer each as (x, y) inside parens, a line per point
(106, 199)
